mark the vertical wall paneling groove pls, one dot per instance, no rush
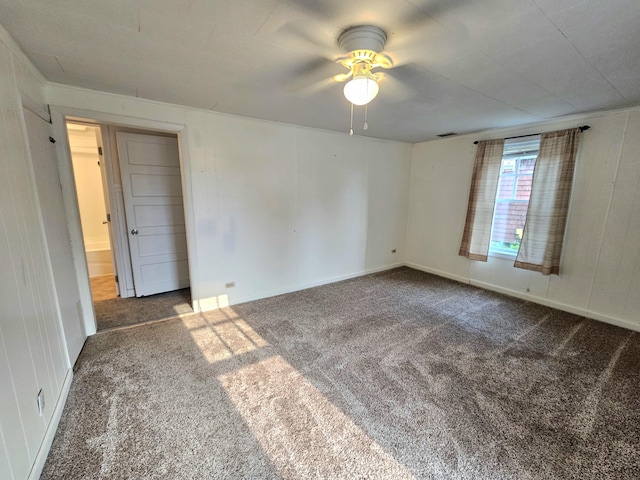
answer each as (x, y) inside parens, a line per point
(10, 416)
(31, 342)
(19, 324)
(612, 186)
(619, 253)
(6, 471)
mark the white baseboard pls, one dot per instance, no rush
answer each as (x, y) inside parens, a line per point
(439, 273)
(531, 298)
(618, 322)
(41, 458)
(214, 302)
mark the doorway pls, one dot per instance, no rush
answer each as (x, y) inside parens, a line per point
(128, 186)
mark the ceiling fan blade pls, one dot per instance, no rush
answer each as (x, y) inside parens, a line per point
(326, 11)
(314, 68)
(434, 8)
(342, 77)
(310, 88)
(313, 76)
(309, 37)
(393, 89)
(421, 35)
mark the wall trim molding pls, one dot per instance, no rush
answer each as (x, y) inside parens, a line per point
(214, 303)
(47, 441)
(541, 126)
(439, 273)
(618, 322)
(61, 87)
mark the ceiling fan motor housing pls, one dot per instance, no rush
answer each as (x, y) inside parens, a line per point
(362, 37)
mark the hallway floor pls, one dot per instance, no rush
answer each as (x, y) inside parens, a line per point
(103, 287)
(114, 312)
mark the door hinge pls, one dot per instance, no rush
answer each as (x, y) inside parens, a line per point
(117, 279)
(108, 217)
(99, 150)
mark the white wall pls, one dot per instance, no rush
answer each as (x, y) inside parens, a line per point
(32, 348)
(273, 207)
(600, 269)
(86, 169)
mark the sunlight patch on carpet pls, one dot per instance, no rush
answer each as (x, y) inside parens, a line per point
(303, 433)
(223, 337)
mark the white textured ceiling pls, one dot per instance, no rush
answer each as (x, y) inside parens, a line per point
(462, 65)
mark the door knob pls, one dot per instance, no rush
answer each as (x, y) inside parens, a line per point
(134, 231)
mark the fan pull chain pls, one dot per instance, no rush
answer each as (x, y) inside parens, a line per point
(366, 125)
(351, 123)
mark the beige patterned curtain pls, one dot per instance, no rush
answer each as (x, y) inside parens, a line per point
(543, 234)
(482, 200)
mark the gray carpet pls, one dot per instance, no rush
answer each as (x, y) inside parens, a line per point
(119, 312)
(394, 375)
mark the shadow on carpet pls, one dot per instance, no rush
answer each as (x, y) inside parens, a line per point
(396, 375)
(119, 312)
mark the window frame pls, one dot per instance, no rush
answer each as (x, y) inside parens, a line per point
(516, 149)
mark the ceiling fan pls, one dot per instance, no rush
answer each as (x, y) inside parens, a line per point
(364, 44)
(368, 68)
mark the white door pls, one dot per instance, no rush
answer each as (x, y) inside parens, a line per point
(152, 191)
(54, 217)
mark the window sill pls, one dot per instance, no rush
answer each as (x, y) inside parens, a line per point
(505, 256)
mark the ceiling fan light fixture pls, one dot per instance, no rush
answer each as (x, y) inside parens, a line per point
(361, 90)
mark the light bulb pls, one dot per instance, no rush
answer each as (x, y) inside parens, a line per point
(361, 90)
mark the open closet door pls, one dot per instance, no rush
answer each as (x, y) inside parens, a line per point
(45, 166)
(152, 191)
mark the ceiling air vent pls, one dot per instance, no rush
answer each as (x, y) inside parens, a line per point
(450, 134)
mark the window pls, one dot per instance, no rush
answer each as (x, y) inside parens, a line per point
(512, 197)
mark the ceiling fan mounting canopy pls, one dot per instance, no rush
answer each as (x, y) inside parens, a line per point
(363, 44)
(362, 37)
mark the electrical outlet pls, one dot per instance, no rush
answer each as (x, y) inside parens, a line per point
(230, 284)
(393, 251)
(40, 402)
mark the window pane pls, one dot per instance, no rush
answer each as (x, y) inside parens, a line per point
(508, 166)
(526, 165)
(512, 198)
(506, 186)
(523, 187)
(508, 223)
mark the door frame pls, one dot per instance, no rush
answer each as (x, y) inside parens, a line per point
(59, 117)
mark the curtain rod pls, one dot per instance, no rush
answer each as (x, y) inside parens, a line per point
(582, 129)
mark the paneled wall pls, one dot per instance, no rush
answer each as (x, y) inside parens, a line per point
(271, 207)
(600, 269)
(32, 346)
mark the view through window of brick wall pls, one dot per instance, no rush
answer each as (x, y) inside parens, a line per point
(512, 198)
